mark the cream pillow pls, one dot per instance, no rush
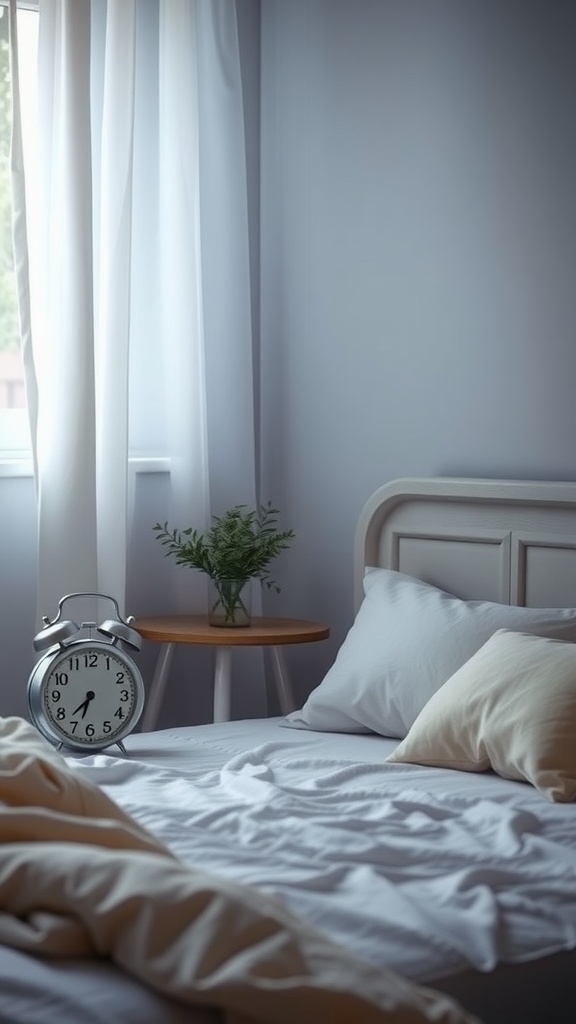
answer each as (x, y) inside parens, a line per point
(512, 708)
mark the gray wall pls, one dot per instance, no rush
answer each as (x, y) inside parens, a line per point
(418, 260)
(418, 308)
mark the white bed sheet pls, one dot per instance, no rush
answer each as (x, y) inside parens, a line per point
(429, 871)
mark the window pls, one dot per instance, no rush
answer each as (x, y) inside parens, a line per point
(14, 431)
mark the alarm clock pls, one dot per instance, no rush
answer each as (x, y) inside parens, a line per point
(85, 692)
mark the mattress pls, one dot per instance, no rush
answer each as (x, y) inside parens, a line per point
(441, 875)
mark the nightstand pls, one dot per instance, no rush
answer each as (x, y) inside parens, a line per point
(272, 633)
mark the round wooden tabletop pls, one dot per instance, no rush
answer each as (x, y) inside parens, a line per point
(262, 631)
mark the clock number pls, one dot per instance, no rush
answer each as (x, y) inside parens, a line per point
(106, 726)
(74, 726)
(120, 677)
(90, 661)
(61, 678)
(119, 713)
(55, 695)
(60, 714)
(123, 696)
(89, 729)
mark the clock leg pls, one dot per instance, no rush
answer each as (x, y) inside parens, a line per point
(122, 747)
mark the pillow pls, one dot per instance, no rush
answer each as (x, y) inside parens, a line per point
(407, 639)
(511, 707)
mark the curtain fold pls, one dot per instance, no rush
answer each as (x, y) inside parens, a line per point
(63, 309)
(140, 304)
(181, 277)
(225, 258)
(112, 333)
(19, 224)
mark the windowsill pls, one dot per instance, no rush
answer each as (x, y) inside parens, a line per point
(21, 465)
(15, 465)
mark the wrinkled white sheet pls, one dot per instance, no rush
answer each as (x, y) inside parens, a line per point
(427, 871)
(79, 878)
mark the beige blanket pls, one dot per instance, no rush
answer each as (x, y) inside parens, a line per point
(80, 877)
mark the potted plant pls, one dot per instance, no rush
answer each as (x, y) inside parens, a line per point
(238, 547)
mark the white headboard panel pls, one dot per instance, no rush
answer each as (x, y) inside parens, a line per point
(512, 541)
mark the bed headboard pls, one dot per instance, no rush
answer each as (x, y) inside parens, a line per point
(512, 541)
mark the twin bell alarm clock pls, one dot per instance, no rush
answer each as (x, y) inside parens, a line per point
(85, 692)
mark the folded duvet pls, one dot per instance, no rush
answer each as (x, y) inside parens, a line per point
(80, 877)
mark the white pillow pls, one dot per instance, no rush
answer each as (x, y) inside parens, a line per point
(512, 708)
(408, 638)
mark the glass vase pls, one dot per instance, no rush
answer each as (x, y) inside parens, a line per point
(228, 602)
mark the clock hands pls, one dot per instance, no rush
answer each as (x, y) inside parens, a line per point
(83, 707)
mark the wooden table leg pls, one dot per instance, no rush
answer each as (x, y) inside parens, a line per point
(222, 683)
(157, 688)
(283, 684)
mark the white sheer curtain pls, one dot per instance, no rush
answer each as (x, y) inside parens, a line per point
(140, 291)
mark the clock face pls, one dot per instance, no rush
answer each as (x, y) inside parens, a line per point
(86, 695)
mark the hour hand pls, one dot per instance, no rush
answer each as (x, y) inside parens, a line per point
(83, 707)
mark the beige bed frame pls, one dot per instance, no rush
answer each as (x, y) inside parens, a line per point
(512, 541)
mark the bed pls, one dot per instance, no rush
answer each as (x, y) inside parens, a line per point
(419, 810)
